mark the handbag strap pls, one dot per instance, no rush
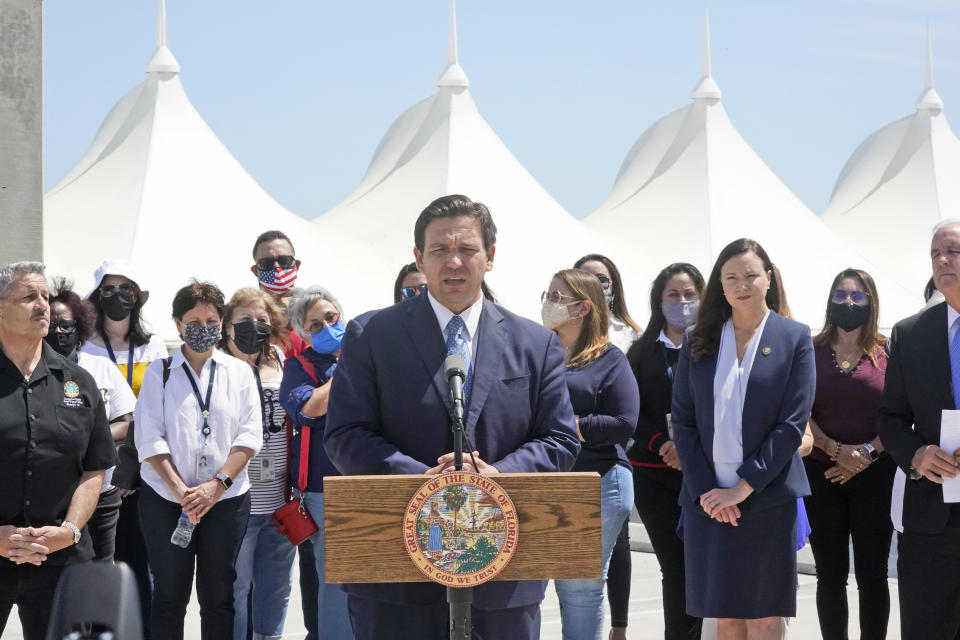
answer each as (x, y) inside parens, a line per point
(303, 476)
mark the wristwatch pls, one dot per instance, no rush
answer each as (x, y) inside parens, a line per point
(872, 452)
(74, 528)
(224, 480)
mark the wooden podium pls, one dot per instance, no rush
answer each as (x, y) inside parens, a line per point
(559, 536)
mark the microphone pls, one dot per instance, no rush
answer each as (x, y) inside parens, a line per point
(455, 372)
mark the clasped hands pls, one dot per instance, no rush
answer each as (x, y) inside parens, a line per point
(849, 460)
(196, 501)
(445, 465)
(721, 504)
(33, 544)
(935, 464)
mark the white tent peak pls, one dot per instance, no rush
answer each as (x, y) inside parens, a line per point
(162, 60)
(453, 75)
(929, 99)
(706, 89)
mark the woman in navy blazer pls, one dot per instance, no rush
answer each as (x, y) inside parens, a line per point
(741, 401)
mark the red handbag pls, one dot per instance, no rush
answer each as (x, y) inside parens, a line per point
(292, 519)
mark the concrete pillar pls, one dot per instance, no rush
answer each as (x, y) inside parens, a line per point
(21, 130)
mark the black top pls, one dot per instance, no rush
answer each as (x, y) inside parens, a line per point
(605, 400)
(52, 429)
(652, 364)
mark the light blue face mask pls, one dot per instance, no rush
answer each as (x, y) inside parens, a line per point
(328, 340)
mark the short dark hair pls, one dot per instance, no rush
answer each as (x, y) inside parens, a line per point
(270, 236)
(197, 293)
(404, 272)
(454, 206)
(714, 308)
(83, 312)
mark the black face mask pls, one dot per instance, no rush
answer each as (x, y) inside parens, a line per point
(250, 335)
(63, 343)
(848, 316)
(118, 306)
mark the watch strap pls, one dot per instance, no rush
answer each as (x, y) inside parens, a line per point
(225, 481)
(74, 528)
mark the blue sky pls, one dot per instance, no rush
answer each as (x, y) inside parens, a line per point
(301, 91)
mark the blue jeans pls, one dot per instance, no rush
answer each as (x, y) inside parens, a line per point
(265, 567)
(581, 601)
(334, 617)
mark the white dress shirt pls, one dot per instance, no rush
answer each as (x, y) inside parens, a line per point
(471, 320)
(620, 334)
(952, 315)
(169, 419)
(729, 391)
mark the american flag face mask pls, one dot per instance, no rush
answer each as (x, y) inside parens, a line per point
(278, 280)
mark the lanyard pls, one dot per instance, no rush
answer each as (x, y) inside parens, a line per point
(106, 343)
(666, 360)
(204, 406)
(263, 411)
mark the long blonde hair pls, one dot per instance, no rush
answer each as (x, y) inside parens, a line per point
(592, 340)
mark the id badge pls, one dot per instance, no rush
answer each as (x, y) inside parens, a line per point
(205, 466)
(267, 470)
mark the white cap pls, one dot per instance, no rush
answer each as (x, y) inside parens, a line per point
(117, 268)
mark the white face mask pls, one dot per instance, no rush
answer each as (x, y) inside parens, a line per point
(554, 314)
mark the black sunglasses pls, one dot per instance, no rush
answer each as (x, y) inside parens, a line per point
(409, 292)
(284, 262)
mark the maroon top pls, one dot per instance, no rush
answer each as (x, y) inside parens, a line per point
(845, 407)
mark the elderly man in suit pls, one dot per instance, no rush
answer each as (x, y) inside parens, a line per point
(388, 410)
(923, 379)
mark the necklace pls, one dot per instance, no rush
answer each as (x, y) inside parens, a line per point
(847, 361)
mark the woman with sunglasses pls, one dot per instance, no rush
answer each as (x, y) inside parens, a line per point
(317, 316)
(606, 403)
(623, 331)
(253, 332)
(71, 322)
(851, 478)
(410, 282)
(119, 334)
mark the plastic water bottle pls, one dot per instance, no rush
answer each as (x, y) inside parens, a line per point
(184, 531)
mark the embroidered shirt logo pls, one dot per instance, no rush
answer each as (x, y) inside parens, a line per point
(71, 394)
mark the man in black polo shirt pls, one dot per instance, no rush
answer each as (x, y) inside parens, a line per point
(55, 445)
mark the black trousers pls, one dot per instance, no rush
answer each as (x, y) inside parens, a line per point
(928, 568)
(859, 509)
(213, 547)
(655, 493)
(309, 588)
(31, 588)
(373, 620)
(131, 549)
(102, 525)
(618, 578)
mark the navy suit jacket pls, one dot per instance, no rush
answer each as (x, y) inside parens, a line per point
(388, 413)
(775, 414)
(916, 389)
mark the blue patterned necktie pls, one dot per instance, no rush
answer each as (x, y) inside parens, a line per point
(457, 344)
(955, 363)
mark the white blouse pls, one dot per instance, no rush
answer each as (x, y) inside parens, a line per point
(169, 419)
(729, 391)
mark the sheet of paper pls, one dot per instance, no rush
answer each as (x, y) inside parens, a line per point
(950, 441)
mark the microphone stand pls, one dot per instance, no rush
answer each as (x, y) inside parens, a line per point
(460, 599)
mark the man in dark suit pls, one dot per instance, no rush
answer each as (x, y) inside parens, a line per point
(388, 410)
(922, 379)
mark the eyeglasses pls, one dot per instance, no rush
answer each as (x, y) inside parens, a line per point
(841, 295)
(284, 262)
(409, 292)
(556, 297)
(109, 290)
(328, 320)
(65, 326)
